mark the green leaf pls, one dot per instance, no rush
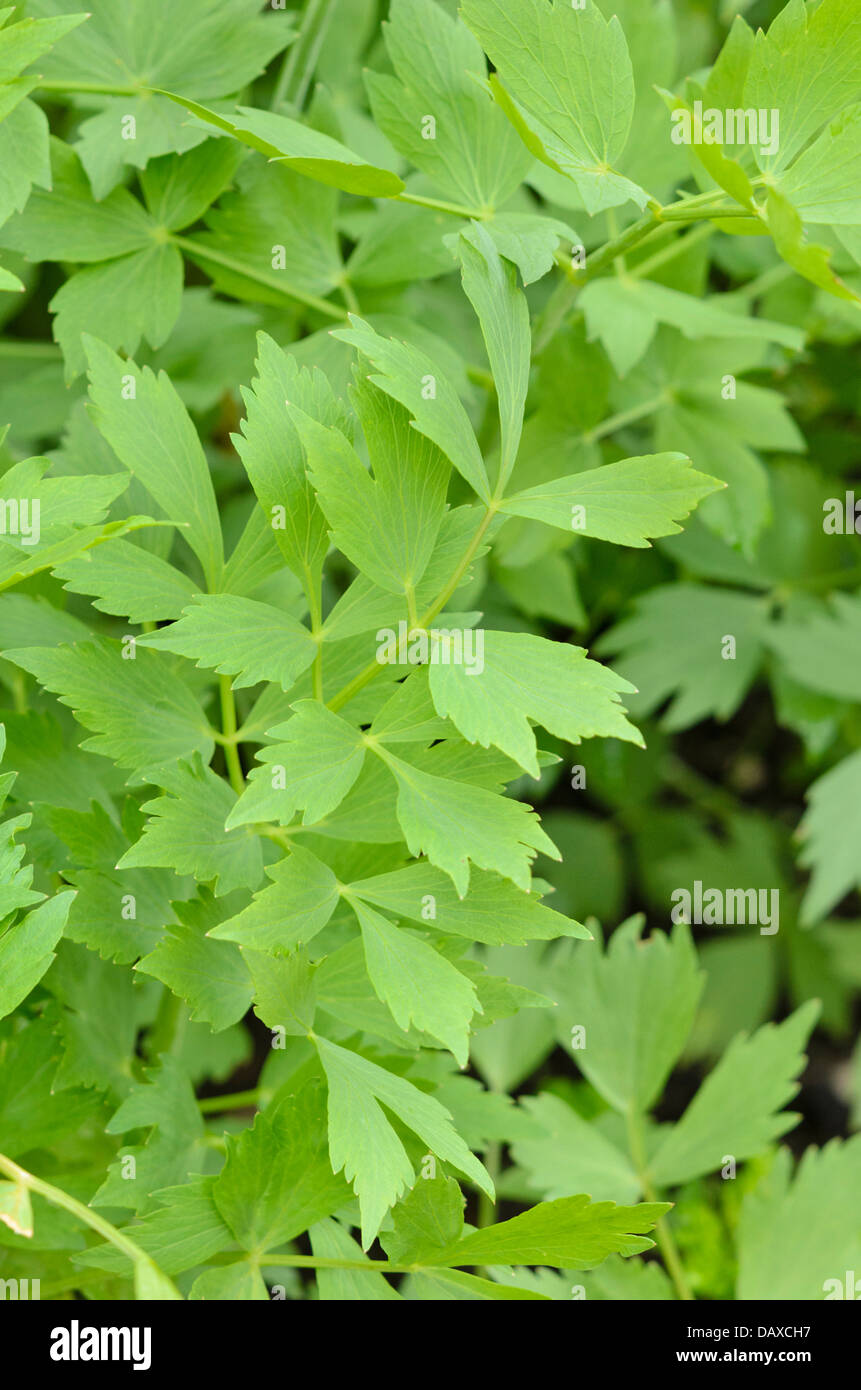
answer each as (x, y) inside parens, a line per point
(16, 880)
(347, 1000)
(417, 983)
(455, 824)
(180, 187)
(312, 770)
(529, 678)
(163, 1103)
(209, 975)
(147, 426)
(186, 1230)
(438, 1285)
(624, 315)
(273, 455)
(429, 1219)
(636, 1003)
(24, 156)
(491, 287)
(799, 1236)
(116, 699)
(331, 1242)
(829, 833)
(624, 502)
(25, 41)
(363, 1142)
(66, 223)
(275, 225)
(217, 53)
(285, 994)
(470, 152)
(22, 617)
(16, 1209)
(809, 259)
(290, 911)
(277, 1180)
(27, 949)
(386, 527)
(64, 502)
(239, 637)
(98, 1020)
(674, 645)
(186, 831)
(570, 1233)
(530, 240)
(137, 296)
(127, 580)
(572, 1154)
(411, 377)
(806, 67)
(152, 1285)
(822, 183)
(10, 283)
(494, 911)
(33, 1115)
(736, 1110)
(822, 649)
(569, 83)
(120, 914)
(300, 147)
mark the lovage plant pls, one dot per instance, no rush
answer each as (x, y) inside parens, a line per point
(386, 338)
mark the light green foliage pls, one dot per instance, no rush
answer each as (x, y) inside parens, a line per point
(427, 532)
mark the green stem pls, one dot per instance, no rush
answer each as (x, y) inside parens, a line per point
(617, 246)
(412, 611)
(686, 210)
(663, 1234)
(677, 247)
(169, 1026)
(12, 347)
(320, 1262)
(261, 277)
(681, 213)
(775, 275)
(317, 40)
(282, 835)
(349, 294)
(19, 692)
(86, 1279)
(305, 49)
(486, 1206)
(58, 1198)
(239, 1100)
(704, 794)
(314, 599)
(102, 89)
(373, 668)
(613, 228)
(818, 583)
(228, 726)
(439, 205)
(480, 376)
(625, 417)
(612, 252)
